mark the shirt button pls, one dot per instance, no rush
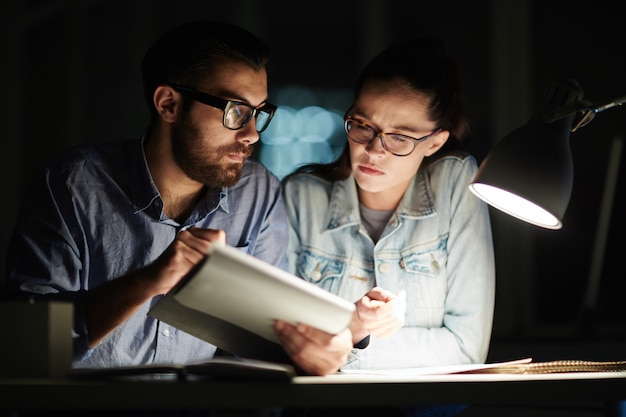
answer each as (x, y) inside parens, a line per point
(316, 275)
(384, 268)
(434, 264)
(166, 332)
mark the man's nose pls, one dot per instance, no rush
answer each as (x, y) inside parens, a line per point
(248, 133)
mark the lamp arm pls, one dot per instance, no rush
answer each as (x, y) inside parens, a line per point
(564, 111)
(611, 103)
(581, 106)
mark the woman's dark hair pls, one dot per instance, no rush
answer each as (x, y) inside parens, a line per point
(424, 66)
(188, 53)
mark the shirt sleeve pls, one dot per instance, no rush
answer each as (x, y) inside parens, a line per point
(271, 236)
(44, 253)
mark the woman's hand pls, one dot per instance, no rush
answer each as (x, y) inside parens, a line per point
(378, 313)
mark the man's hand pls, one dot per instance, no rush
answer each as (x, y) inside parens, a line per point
(111, 304)
(189, 248)
(315, 352)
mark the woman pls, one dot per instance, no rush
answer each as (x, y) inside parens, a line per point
(391, 223)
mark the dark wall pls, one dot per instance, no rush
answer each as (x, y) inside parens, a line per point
(71, 75)
(584, 41)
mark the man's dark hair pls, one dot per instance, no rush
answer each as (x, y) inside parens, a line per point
(188, 53)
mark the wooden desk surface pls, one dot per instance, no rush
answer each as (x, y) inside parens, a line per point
(341, 391)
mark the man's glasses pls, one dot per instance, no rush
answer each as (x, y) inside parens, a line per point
(399, 145)
(236, 113)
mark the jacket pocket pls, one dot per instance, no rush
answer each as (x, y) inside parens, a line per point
(320, 270)
(426, 261)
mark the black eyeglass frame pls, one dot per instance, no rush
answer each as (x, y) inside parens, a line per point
(379, 134)
(222, 104)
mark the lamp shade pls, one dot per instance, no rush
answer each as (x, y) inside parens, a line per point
(529, 173)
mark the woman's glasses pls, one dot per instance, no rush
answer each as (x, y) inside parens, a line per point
(399, 145)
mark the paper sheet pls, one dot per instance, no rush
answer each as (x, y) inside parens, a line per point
(232, 288)
(433, 370)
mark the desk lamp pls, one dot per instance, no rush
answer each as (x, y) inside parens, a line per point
(529, 173)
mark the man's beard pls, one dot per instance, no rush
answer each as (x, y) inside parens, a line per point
(204, 164)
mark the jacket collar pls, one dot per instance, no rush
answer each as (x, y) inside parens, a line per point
(343, 210)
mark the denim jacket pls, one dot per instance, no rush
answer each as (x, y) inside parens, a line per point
(437, 246)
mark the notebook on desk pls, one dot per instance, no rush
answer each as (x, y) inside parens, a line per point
(221, 368)
(518, 366)
(556, 366)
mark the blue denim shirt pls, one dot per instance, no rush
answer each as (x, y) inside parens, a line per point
(437, 246)
(95, 214)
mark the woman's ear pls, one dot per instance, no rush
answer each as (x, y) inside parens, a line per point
(437, 141)
(167, 103)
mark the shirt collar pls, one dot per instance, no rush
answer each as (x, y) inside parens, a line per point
(144, 193)
(146, 197)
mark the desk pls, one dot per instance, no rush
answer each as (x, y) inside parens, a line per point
(332, 391)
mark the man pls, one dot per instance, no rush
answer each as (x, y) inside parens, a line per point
(114, 227)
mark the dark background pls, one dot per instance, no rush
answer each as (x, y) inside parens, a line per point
(70, 75)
